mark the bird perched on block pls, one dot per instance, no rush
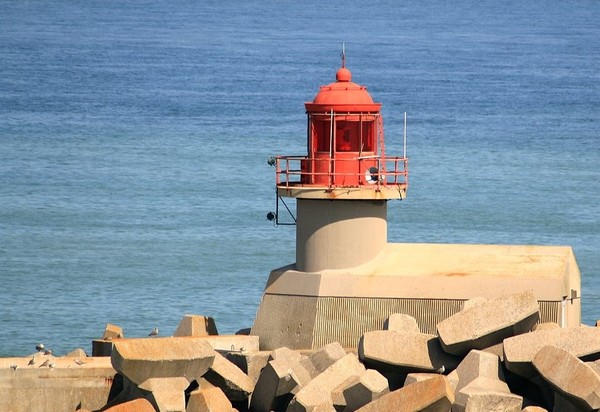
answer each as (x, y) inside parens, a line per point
(154, 332)
(46, 363)
(13, 366)
(32, 361)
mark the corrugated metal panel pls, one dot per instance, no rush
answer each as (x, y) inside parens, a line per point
(550, 311)
(345, 320)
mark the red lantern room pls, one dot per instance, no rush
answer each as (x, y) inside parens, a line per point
(346, 151)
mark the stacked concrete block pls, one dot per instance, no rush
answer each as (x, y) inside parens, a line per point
(318, 392)
(358, 391)
(223, 374)
(251, 363)
(321, 359)
(477, 364)
(546, 367)
(166, 394)
(402, 323)
(571, 377)
(279, 381)
(196, 325)
(112, 332)
(479, 385)
(432, 395)
(519, 351)
(488, 323)
(210, 399)
(404, 352)
(142, 359)
(51, 383)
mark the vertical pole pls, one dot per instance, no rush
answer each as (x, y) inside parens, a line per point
(404, 135)
(331, 141)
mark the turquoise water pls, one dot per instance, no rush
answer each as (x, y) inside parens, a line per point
(134, 139)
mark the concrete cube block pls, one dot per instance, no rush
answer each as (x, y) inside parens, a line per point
(210, 399)
(166, 394)
(432, 395)
(575, 380)
(478, 364)
(364, 389)
(142, 359)
(223, 374)
(196, 325)
(402, 323)
(488, 323)
(251, 363)
(278, 382)
(112, 332)
(287, 353)
(318, 392)
(519, 351)
(321, 359)
(481, 396)
(404, 352)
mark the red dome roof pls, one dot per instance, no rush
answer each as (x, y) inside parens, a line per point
(342, 92)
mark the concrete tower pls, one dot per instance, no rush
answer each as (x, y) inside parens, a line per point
(347, 279)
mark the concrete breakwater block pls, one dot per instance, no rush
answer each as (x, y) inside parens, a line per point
(402, 323)
(318, 392)
(357, 391)
(196, 325)
(477, 364)
(230, 379)
(488, 323)
(485, 395)
(48, 383)
(478, 382)
(404, 352)
(433, 395)
(166, 394)
(208, 400)
(283, 376)
(575, 380)
(142, 359)
(519, 351)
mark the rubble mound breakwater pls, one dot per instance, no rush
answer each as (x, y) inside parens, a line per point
(493, 355)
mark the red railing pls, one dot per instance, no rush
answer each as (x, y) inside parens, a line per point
(369, 172)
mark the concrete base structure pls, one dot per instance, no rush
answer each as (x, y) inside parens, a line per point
(62, 384)
(307, 310)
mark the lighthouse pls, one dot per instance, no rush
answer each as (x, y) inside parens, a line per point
(347, 279)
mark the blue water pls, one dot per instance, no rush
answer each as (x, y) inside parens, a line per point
(134, 139)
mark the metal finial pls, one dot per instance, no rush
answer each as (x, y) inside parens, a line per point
(343, 54)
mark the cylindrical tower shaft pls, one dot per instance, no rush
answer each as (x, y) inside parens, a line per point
(337, 234)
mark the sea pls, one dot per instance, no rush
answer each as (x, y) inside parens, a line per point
(134, 138)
